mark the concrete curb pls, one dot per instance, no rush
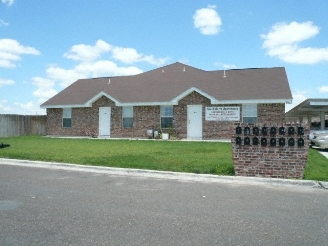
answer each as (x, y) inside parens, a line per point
(186, 177)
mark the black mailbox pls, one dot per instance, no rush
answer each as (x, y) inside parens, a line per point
(291, 142)
(273, 130)
(238, 130)
(282, 130)
(264, 142)
(282, 141)
(256, 131)
(291, 130)
(255, 141)
(238, 140)
(300, 131)
(300, 142)
(273, 142)
(247, 141)
(264, 130)
(247, 131)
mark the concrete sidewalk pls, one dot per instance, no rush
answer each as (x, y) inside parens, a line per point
(185, 177)
(324, 153)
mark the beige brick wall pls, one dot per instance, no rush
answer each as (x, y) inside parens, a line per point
(85, 121)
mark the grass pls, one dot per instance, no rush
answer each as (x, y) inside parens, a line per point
(176, 156)
(316, 166)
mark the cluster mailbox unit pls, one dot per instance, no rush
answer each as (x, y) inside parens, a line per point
(270, 150)
(269, 136)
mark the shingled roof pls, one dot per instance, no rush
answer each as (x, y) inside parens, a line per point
(167, 85)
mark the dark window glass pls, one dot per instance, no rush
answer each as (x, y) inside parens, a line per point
(128, 122)
(67, 122)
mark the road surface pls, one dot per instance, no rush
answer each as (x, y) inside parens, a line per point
(63, 206)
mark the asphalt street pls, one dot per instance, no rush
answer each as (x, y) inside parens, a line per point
(50, 204)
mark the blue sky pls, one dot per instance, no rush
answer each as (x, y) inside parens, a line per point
(47, 45)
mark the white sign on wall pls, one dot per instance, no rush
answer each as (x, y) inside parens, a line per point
(222, 113)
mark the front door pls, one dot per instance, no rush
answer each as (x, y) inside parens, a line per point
(194, 122)
(104, 121)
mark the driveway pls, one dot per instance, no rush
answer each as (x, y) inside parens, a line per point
(324, 153)
(67, 205)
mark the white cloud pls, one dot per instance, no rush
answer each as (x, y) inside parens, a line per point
(11, 52)
(87, 53)
(25, 106)
(44, 94)
(126, 55)
(283, 42)
(130, 55)
(105, 67)
(225, 66)
(4, 107)
(8, 2)
(43, 82)
(323, 89)
(29, 108)
(207, 20)
(65, 76)
(45, 89)
(3, 23)
(6, 82)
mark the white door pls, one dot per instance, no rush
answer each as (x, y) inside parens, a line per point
(194, 122)
(104, 121)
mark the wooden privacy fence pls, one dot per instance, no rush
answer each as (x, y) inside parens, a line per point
(18, 125)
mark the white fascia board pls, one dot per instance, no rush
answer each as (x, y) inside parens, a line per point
(66, 106)
(319, 103)
(135, 104)
(88, 104)
(251, 101)
(190, 90)
(99, 95)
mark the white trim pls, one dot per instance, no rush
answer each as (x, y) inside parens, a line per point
(251, 101)
(129, 104)
(64, 106)
(99, 95)
(189, 91)
(316, 103)
(146, 104)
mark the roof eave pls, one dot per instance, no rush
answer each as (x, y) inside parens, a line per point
(173, 102)
(252, 101)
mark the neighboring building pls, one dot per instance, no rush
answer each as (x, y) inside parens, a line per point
(197, 104)
(314, 111)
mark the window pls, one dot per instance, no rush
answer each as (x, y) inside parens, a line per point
(127, 116)
(166, 116)
(249, 113)
(67, 117)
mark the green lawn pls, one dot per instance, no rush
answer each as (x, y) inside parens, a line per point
(177, 156)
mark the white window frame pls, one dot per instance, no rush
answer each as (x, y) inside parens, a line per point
(249, 113)
(166, 114)
(127, 114)
(67, 118)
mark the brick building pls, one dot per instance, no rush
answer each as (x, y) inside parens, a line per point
(190, 102)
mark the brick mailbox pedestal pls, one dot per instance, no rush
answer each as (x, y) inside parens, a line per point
(273, 151)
